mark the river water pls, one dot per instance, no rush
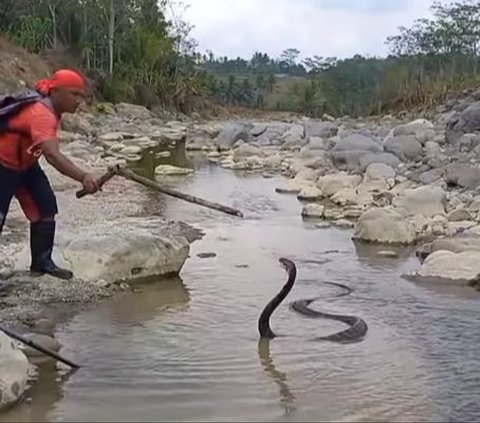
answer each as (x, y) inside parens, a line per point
(187, 348)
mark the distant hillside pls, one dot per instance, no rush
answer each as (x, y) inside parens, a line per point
(19, 67)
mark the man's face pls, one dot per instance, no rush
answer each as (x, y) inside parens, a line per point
(67, 99)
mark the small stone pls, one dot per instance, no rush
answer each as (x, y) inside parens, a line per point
(172, 170)
(323, 225)
(387, 253)
(206, 255)
(344, 223)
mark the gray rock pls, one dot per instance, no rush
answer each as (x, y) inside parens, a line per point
(385, 158)
(231, 133)
(320, 129)
(356, 142)
(462, 175)
(464, 122)
(405, 147)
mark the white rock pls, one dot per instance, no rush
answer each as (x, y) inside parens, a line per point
(123, 249)
(447, 266)
(330, 184)
(384, 225)
(309, 194)
(14, 369)
(313, 210)
(425, 200)
(165, 169)
(131, 149)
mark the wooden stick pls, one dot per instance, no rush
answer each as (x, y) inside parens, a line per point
(190, 198)
(104, 178)
(39, 347)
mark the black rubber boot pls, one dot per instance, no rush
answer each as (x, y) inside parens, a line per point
(42, 235)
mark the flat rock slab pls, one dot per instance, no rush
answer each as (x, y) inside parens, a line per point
(120, 251)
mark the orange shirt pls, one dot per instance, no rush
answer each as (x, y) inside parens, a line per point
(39, 124)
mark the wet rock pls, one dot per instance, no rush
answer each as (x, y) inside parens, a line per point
(456, 244)
(14, 368)
(172, 170)
(387, 253)
(43, 341)
(309, 194)
(313, 210)
(383, 225)
(344, 223)
(197, 141)
(448, 267)
(246, 150)
(206, 255)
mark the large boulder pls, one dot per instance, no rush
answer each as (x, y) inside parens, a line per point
(231, 133)
(330, 184)
(405, 147)
(357, 142)
(384, 225)
(122, 250)
(421, 129)
(448, 267)
(14, 368)
(385, 158)
(466, 121)
(462, 175)
(425, 200)
(320, 129)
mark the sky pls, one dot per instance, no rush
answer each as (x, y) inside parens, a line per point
(339, 28)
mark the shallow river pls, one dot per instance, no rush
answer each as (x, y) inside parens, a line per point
(186, 349)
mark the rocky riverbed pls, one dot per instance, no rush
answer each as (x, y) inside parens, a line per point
(392, 181)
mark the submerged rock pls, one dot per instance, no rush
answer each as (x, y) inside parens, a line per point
(14, 367)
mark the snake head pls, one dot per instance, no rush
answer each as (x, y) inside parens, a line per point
(286, 263)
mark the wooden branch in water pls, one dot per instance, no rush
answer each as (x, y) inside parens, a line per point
(187, 197)
(35, 346)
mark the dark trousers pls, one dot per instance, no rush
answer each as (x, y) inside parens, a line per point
(33, 191)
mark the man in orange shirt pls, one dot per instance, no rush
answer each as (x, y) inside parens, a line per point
(30, 133)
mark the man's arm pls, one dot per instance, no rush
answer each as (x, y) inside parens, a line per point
(59, 161)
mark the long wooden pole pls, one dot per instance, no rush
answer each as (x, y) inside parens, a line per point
(187, 197)
(38, 347)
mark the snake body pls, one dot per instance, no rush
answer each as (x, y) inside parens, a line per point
(357, 326)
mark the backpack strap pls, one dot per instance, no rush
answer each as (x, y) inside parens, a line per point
(12, 104)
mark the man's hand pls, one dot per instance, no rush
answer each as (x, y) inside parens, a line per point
(91, 183)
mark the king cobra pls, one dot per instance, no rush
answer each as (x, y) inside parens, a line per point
(357, 326)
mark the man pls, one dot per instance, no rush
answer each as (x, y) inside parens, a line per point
(31, 133)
